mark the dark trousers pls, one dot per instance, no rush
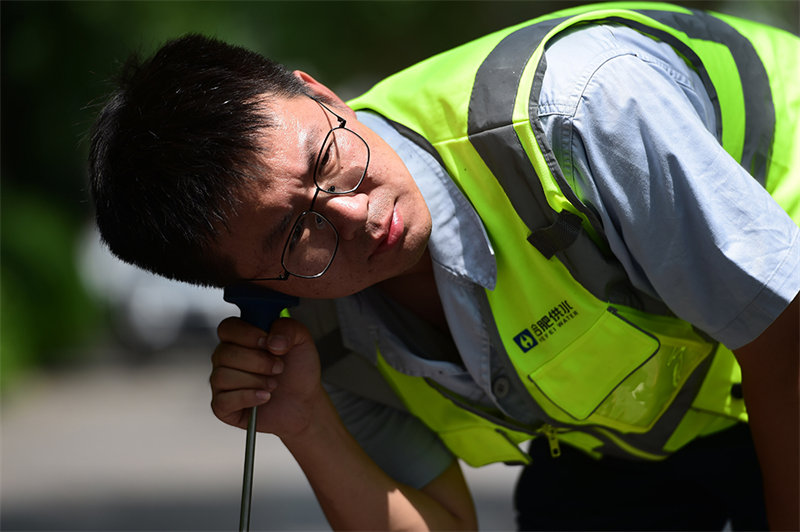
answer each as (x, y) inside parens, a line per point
(712, 481)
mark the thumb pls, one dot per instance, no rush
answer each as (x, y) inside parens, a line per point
(287, 334)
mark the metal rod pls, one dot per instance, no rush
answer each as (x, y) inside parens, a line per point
(247, 481)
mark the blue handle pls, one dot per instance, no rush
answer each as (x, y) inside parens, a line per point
(259, 306)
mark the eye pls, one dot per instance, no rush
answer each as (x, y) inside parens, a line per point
(325, 160)
(297, 234)
(319, 221)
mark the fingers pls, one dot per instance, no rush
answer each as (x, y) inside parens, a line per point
(233, 407)
(284, 335)
(287, 334)
(248, 348)
(234, 390)
(237, 331)
(257, 361)
(250, 365)
(225, 379)
(243, 371)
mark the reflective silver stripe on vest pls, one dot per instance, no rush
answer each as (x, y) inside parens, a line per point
(489, 123)
(489, 126)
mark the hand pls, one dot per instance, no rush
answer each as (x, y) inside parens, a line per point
(277, 371)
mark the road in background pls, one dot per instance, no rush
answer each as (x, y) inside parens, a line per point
(135, 447)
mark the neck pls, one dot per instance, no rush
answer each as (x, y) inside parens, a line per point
(415, 289)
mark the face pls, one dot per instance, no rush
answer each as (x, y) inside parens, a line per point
(383, 226)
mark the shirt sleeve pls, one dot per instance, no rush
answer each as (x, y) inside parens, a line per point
(400, 444)
(397, 442)
(687, 222)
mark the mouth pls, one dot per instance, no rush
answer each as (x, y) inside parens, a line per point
(392, 234)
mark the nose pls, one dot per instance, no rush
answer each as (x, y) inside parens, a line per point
(348, 212)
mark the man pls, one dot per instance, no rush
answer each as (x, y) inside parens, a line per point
(550, 232)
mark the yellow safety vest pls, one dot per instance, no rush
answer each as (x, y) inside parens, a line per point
(606, 368)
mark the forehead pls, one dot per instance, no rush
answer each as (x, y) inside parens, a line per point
(298, 125)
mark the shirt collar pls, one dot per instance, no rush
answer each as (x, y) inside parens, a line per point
(458, 243)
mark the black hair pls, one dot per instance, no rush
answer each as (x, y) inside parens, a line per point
(173, 148)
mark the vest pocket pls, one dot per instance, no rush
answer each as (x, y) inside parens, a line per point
(618, 375)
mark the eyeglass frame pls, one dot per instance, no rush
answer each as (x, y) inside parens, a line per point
(286, 273)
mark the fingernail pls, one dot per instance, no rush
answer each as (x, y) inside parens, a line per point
(277, 342)
(262, 342)
(277, 366)
(263, 395)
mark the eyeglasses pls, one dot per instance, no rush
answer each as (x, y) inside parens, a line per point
(340, 168)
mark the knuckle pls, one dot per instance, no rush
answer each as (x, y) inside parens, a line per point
(216, 355)
(216, 408)
(222, 408)
(223, 326)
(218, 381)
(229, 328)
(264, 365)
(222, 354)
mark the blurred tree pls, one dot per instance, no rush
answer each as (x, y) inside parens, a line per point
(56, 58)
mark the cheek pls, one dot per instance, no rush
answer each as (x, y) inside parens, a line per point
(342, 279)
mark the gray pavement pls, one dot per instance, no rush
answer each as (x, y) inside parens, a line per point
(121, 447)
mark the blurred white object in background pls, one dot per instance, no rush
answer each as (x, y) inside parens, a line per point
(148, 312)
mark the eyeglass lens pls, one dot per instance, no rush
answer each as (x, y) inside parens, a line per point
(310, 249)
(341, 162)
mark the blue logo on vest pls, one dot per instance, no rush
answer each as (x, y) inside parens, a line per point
(525, 341)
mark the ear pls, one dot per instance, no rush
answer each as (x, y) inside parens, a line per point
(318, 89)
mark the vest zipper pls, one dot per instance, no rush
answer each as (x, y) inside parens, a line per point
(551, 433)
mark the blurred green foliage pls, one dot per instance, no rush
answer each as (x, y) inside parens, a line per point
(57, 58)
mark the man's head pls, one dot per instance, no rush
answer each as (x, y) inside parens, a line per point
(174, 146)
(205, 157)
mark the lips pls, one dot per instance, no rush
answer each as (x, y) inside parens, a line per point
(394, 232)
